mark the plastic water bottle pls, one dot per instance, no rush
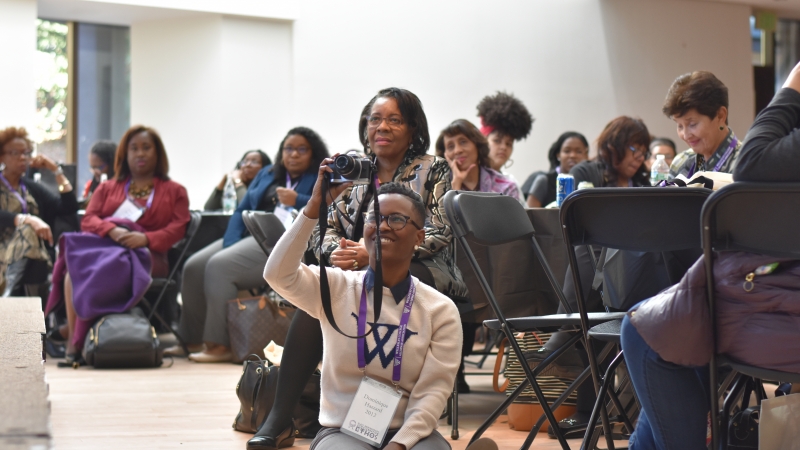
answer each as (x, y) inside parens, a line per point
(660, 171)
(229, 197)
(103, 177)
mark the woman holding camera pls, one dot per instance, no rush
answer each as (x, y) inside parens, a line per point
(215, 274)
(394, 131)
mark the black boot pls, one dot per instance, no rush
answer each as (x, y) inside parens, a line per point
(15, 275)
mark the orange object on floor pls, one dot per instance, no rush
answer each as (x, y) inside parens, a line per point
(522, 416)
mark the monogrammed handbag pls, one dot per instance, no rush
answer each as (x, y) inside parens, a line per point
(253, 322)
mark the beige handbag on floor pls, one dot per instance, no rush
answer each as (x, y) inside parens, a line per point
(779, 427)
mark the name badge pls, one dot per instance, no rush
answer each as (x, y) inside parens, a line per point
(128, 210)
(284, 214)
(371, 412)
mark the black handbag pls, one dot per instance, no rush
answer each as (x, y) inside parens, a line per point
(256, 392)
(125, 340)
(743, 429)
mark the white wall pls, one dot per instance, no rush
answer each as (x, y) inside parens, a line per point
(17, 50)
(213, 86)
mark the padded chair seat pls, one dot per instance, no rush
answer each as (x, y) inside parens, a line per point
(553, 321)
(758, 372)
(607, 331)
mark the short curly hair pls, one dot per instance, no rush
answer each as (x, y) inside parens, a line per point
(413, 196)
(9, 134)
(471, 132)
(411, 109)
(505, 114)
(698, 90)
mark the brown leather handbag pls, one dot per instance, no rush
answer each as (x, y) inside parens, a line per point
(253, 322)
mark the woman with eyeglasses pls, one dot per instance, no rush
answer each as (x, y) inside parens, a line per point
(216, 273)
(28, 210)
(243, 174)
(698, 104)
(393, 129)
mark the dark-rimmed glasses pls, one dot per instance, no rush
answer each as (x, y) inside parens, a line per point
(396, 221)
(638, 151)
(392, 121)
(302, 150)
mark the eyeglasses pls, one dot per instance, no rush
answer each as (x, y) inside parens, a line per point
(396, 221)
(392, 121)
(248, 162)
(638, 151)
(16, 153)
(302, 150)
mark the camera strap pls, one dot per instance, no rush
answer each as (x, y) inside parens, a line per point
(324, 286)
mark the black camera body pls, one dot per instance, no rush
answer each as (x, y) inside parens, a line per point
(352, 168)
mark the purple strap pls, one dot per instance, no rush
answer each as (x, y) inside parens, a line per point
(21, 198)
(721, 161)
(289, 182)
(149, 199)
(401, 330)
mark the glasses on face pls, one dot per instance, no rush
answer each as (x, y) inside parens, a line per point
(100, 168)
(248, 162)
(302, 150)
(17, 153)
(392, 121)
(637, 152)
(396, 221)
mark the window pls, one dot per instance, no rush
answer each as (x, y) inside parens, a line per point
(52, 64)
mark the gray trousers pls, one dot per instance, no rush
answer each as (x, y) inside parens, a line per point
(211, 277)
(333, 439)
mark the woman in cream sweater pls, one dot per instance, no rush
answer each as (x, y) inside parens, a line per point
(432, 346)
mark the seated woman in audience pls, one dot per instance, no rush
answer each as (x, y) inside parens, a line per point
(101, 162)
(570, 149)
(661, 146)
(621, 152)
(504, 119)
(698, 103)
(215, 274)
(141, 211)
(467, 152)
(28, 210)
(762, 331)
(423, 376)
(393, 129)
(246, 169)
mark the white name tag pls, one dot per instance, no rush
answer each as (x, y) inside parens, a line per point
(371, 412)
(128, 210)
(284, 214)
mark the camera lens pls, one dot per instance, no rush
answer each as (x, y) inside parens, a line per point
(347, 166)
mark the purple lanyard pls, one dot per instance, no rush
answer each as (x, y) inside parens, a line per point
(722, 160)
(289, 182)
(401, 330)
(21, 198)
(149, 199)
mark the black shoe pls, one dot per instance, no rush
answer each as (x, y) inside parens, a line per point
(74, 361)
(283, 440)
(55, 344)
(572, 427)
(568, 365)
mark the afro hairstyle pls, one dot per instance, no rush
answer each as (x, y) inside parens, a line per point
(505, 113)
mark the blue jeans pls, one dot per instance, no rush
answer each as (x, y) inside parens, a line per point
(674, 399)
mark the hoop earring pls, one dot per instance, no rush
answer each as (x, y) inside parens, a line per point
(508, 163)
(721, 128)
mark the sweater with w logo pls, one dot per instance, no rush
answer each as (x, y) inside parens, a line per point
(432, 350)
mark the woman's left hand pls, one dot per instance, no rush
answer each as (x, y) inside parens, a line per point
(459, 175)
(287, 196)
(42, 161)
(350, 255)
(133, 239)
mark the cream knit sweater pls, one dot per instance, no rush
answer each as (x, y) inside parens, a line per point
(432, 352)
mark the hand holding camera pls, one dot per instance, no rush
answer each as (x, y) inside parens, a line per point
(312, 207)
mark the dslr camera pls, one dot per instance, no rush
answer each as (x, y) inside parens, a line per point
(352, 168)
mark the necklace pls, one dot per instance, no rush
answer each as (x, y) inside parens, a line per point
(137, 192)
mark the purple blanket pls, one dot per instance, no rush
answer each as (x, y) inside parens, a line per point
(106, 277)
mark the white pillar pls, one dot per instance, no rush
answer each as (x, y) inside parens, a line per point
(18, 52)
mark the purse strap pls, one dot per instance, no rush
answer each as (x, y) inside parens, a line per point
(497, 364)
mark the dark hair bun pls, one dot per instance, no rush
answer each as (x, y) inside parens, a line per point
(506, 114)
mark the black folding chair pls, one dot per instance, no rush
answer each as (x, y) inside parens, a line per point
(747, 217)
(265, 227)
(169, 287)
(643, 220)
(492, 219)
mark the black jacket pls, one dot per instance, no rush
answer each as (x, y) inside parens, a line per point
(51, 205)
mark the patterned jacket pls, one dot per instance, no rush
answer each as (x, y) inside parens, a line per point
(690, 162)
(427, 175)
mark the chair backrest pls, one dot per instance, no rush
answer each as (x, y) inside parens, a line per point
(265, 227)
(178, 251)
(501, 262)
(640, 219)
(754, 217)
